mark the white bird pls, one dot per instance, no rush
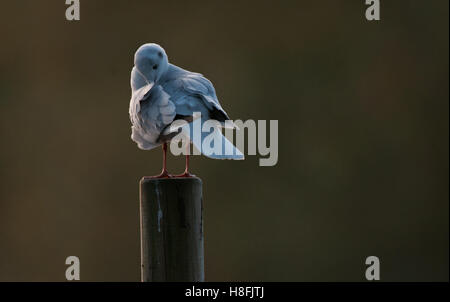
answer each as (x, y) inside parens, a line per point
(163, 93)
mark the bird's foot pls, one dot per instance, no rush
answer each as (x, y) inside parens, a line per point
(164, 174)
(186, 174)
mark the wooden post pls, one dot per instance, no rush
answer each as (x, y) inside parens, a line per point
(171, 229)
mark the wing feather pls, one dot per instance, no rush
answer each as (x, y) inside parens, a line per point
(150, 112)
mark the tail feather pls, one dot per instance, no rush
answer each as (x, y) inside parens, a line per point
(212, 144)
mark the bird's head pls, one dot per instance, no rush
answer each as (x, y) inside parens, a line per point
(151, 62)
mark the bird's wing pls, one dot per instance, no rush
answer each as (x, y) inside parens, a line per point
(150, 112)
(193, 92)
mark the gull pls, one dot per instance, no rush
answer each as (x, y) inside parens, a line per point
(163, 94)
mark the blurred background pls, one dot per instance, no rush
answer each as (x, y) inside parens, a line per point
(363, 110)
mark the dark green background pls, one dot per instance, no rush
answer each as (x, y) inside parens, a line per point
(363, 137)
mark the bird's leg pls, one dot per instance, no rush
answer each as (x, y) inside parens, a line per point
(164, 173)
(186, 170)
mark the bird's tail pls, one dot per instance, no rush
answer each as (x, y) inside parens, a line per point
(212, 144)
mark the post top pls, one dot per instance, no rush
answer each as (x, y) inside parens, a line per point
(150, 179)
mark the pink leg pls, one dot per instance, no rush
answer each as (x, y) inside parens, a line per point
(164, 173)
(186, 170)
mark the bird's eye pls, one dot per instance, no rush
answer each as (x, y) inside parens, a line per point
(155, 66)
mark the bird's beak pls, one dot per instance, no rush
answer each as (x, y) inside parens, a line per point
(145, 78)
